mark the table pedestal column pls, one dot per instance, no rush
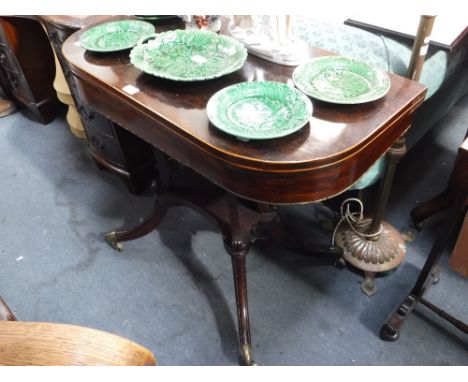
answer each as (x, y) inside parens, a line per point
(241, 223)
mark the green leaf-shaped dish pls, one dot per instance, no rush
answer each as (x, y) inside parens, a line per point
(259, 110)
(189, 55)
(115, 35)
(341, 80)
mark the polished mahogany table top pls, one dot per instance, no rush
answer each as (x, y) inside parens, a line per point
(327, 156)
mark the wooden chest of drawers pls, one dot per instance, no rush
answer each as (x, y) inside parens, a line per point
(27, 67)
(111, 146)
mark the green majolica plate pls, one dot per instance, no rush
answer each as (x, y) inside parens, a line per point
(259, 110)
(342, 80)
(189, 55)
(115, 35)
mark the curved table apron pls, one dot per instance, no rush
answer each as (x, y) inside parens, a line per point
(324, 158)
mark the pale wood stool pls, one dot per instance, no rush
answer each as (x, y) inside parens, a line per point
(51, 344)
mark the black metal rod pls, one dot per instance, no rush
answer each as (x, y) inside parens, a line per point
(394, 155)
(446, 316)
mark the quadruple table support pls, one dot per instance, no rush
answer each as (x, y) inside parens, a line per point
(241, 224)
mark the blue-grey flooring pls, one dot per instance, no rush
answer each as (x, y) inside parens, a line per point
(172, 291)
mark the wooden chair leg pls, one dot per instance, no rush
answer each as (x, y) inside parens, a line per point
(5, 312)
(431, 207)
(390, 331)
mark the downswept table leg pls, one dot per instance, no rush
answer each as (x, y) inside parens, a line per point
(114, 238)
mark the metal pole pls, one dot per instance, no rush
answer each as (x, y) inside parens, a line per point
(420, 47)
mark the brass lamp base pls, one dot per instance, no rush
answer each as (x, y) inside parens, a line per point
(378, 254)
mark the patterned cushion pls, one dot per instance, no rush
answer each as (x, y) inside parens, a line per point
(342, 39)
(382, 52)
(435, 67)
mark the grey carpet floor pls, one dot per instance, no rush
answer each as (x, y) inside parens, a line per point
(172, 290)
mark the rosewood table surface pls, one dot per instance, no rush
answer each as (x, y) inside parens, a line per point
(328, 155)
(338, 144)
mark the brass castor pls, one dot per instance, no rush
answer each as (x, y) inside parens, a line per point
(111, 238)
(246, 356)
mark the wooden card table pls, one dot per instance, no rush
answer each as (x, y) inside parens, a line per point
(240, 184)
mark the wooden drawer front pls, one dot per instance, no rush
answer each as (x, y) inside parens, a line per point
(106, 149)
(101, 137)
(96, 122)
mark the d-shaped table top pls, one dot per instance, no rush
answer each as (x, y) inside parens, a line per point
(327, 156)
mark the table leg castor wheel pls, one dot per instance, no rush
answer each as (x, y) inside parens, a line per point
(111, 238)
(388, 333)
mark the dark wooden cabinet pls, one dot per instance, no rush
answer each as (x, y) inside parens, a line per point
(27, 68)
(112, 148)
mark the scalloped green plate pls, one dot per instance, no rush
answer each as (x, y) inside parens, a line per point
(115, 35)
(189, 55)
(341, 80)
(259, 110)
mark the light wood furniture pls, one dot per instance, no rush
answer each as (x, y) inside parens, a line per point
(50, 344)
(47, 344)
(64, 96)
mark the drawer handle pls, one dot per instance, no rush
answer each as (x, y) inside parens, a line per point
(87, 116)
(98, 145)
